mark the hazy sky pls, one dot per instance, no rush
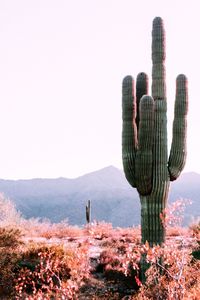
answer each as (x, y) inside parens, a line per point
(61, 67)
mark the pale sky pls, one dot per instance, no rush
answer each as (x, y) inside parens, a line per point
(61, 67)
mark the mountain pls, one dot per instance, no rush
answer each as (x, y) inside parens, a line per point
(112, 198)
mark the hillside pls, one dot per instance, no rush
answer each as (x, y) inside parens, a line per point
(113, 200)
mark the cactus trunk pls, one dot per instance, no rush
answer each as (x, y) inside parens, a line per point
(153, 229)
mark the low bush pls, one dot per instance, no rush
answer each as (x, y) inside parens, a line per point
(52, 272)
(10, 253)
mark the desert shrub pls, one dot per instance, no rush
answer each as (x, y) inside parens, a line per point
(172, 273)
(62, 230)
(121, 265)
(52, 272)
(99, 230)
(131, 234)
(10, 238)
(173, 268)
(173, 231)
(10, 252)
(9, 216)
(121, 236)
(35, 227)
(195, 229)
(173, 216)
(196, 250)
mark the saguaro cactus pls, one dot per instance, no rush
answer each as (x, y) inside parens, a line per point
(88, 212)
(144, 138)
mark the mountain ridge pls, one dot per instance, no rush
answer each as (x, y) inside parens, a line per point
(113, 199)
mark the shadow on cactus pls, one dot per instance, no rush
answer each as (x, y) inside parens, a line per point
(144, 138)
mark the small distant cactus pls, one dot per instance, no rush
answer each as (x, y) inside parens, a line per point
(144, 138)
(88, 212)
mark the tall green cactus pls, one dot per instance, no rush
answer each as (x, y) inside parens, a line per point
(144, 138)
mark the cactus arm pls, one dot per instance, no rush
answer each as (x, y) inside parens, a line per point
(142, 85)
(129, 129)
(178, 151)
(145, 142)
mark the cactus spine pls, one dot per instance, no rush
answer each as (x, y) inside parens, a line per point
(144, 138)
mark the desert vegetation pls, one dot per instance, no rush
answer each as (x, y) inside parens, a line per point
(42, 260)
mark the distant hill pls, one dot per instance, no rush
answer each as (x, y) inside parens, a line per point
(113, 199)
